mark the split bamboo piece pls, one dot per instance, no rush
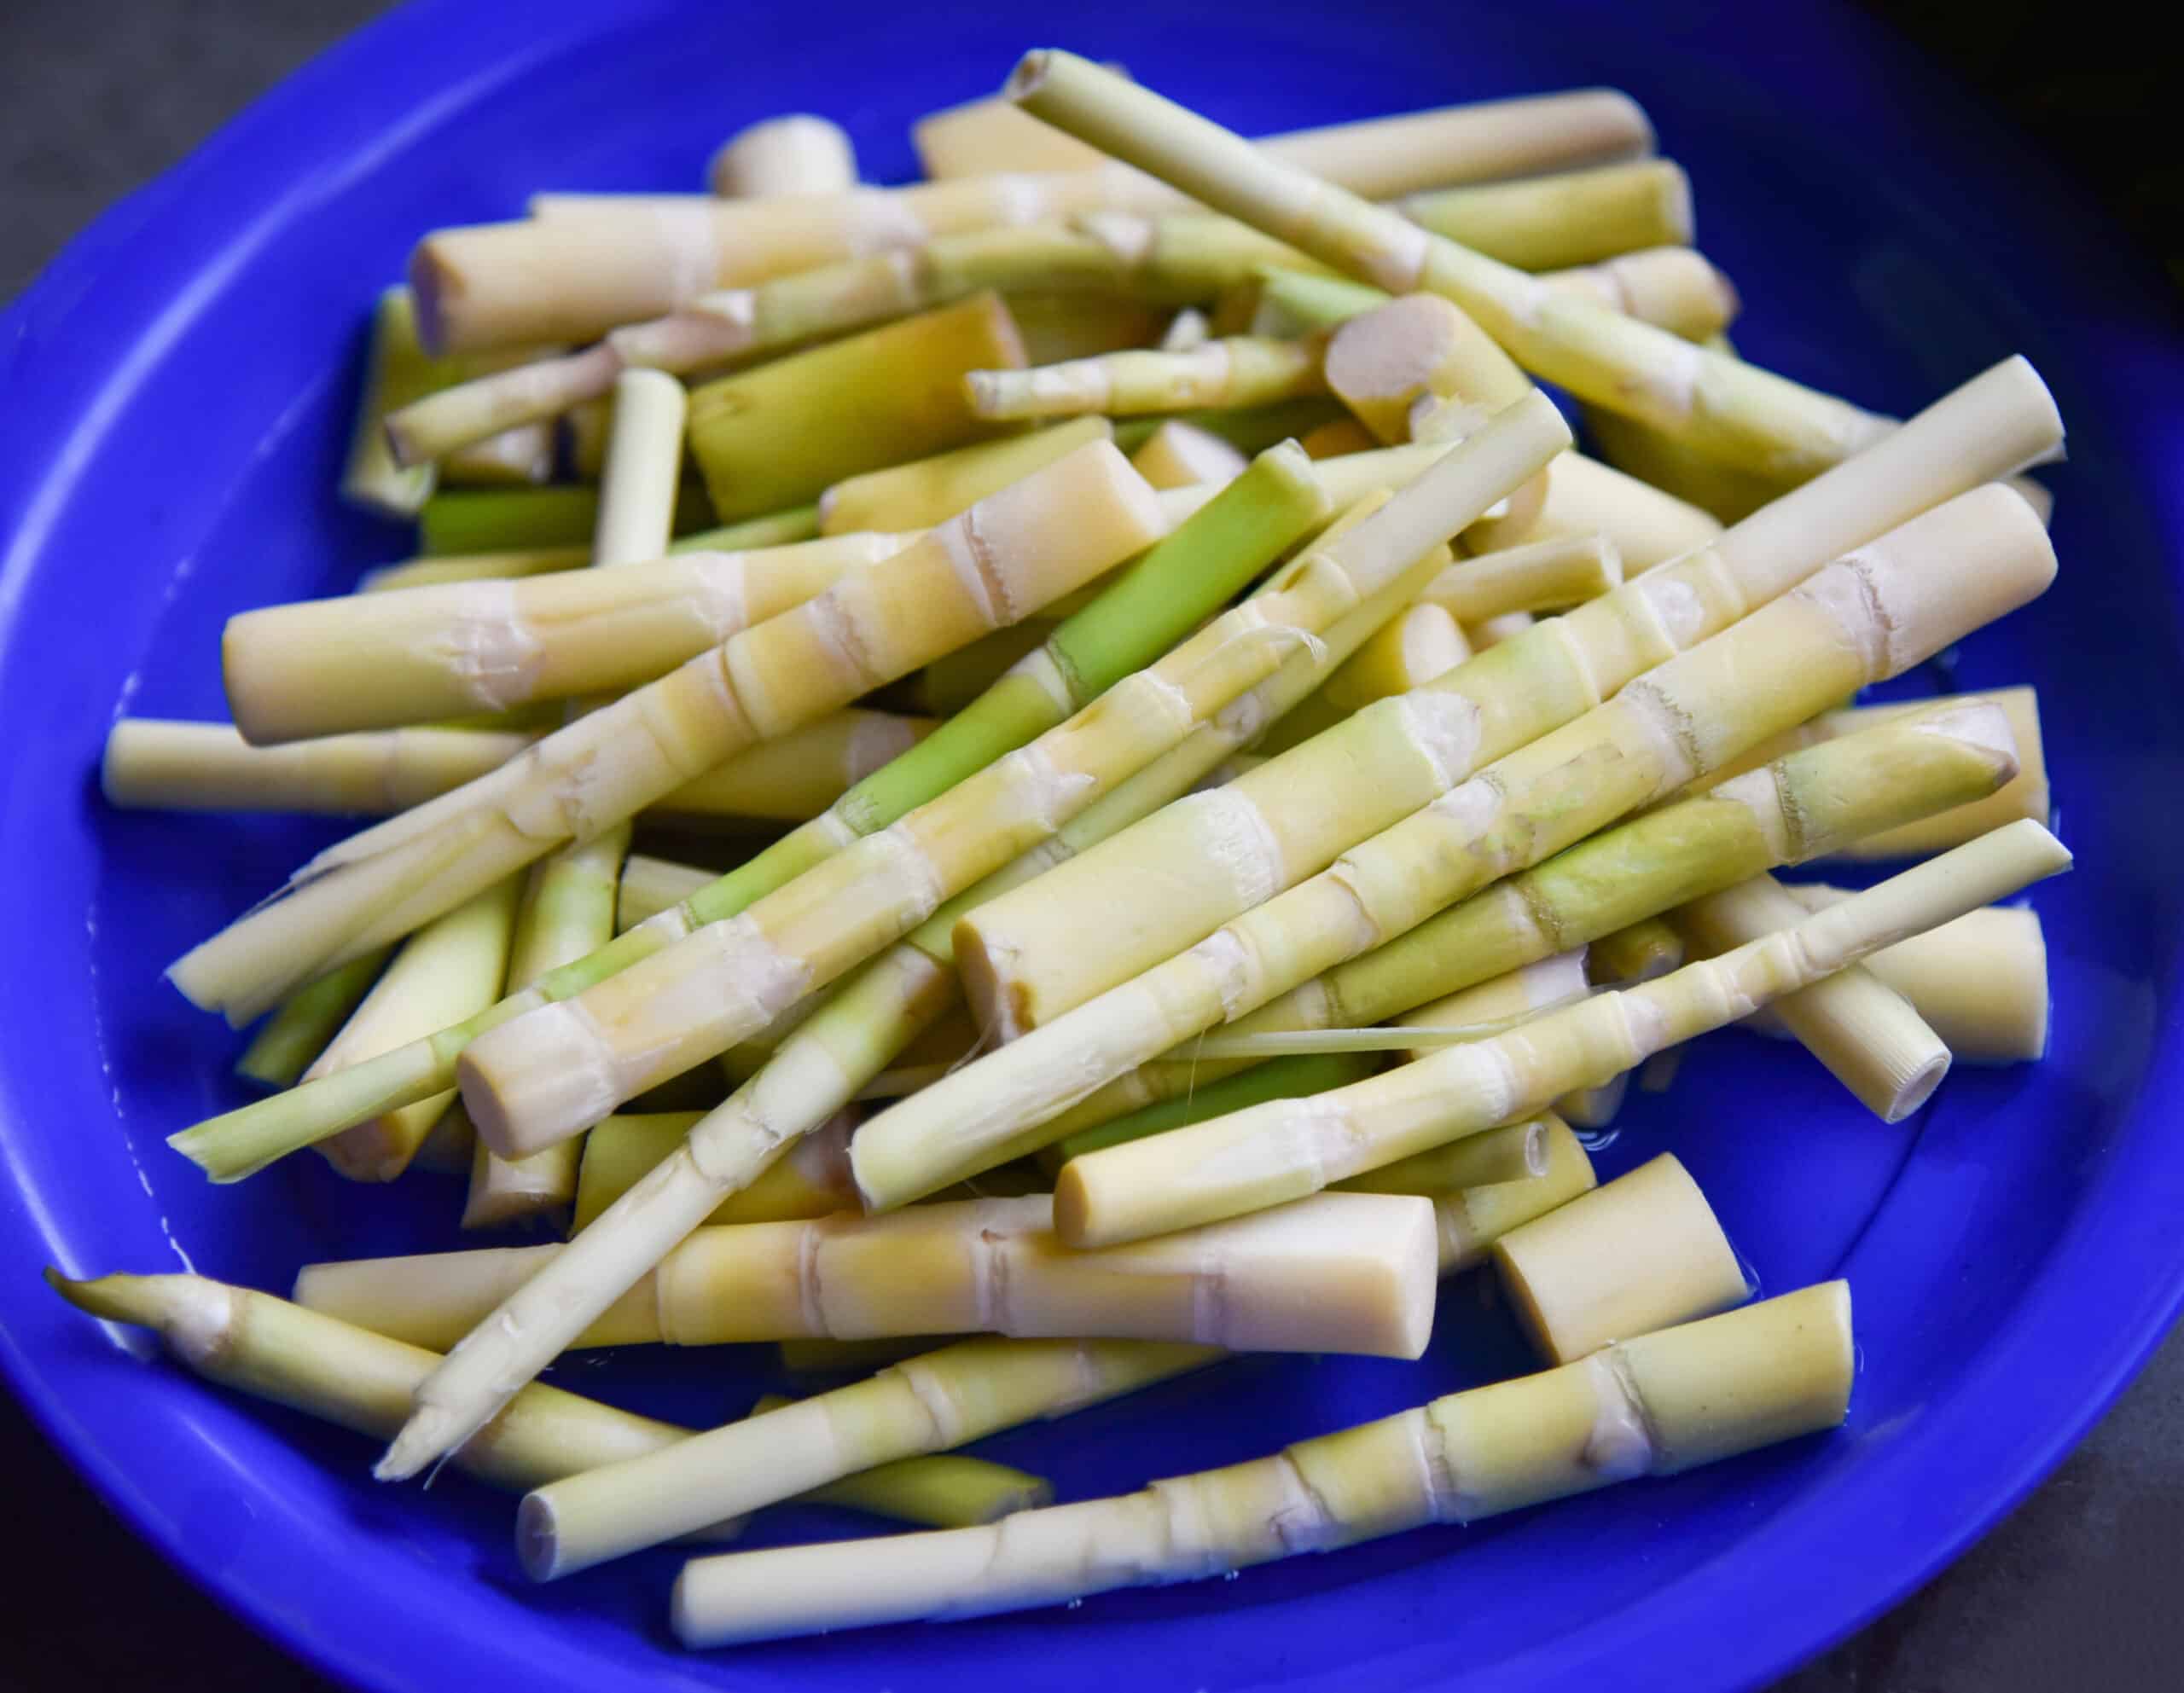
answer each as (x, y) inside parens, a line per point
(797, 153)
(297, 1033)
(1586, 498)
(1379, 157)
(1180, 454)
(810, 1180)
(1349, 1272)
(1719, 406)
(923, 1404)
(446, 970)
(1238, 371)
(1800, 807)
(1275, 1153)
(1547, 575)
(783, 431)
(874, 1017)
(1980, 983)
(1640, 951)
(1877, 611)
(1870, 1036)
(1147, 607)
(931, 491)
(2026, 796)
(1571, 217)
(1641, 1252)
(572, 277)
(1006, 557)
(1208, 858)
(1652, 1405)
(542, 1074)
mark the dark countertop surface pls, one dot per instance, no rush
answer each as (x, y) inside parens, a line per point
(2076, 1589)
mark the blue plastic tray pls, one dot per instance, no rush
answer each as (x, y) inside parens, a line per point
(178, 388)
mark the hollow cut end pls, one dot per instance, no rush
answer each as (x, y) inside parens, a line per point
(537, 1538)
(1916, 1088)
(1030, 73)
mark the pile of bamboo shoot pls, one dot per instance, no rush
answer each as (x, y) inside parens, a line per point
(1208, 793)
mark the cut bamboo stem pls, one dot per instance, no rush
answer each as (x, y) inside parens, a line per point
(2027, 796)
(942, 1489)
(1381, 362)
(931, 491)
(1641, 1252)
(1638, 951)
(1275, 1153)
(1181, 455)
(571, 277)
(1870, 1036)
(1378, 158)
(1571, 217)
(797, 153)
(1002, 559)
(1726, 408)
(1586, 498)
(1238, 371)
(1877, 611)
(924, 1405)
(642, 469)
(1547, 575)
(1174, 880)
(1349, 1273)
(650, 885)
(1655, 1404)
(296, 1034)
(1980, 983)
(1539, 984)
(502, 520)
(783, 431)
(449, 968)
(420, 572)
(1422, 644)
(1287, 1078)
(911, 987)
(1058, 324)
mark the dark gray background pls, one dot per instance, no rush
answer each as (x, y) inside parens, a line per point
(2077, 1589)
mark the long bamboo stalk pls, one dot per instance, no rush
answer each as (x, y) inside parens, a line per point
(1174, 880)
(1275, 1153)
(1348, 1273)
(1651, 1405)
(872, 1017)
(542, 1074)
(1875, 612)
(930, 490)
(1720, 406)
(1002, 559)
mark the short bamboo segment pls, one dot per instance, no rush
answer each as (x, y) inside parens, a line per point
(1573, 217)
(1874, 613)
(1547, 575)
(1381, 362)
(1182, 454)
(924, 1405)
(1275, 1153)
(650, 885)
(1980, 983)
(1650, 1405)
(1870, 1036)
(928, 491)
(797, 153)
(1236, 371)
(1410, 651)
(1061, 323)
(449, 968)
(1002, 559)
(1726, 408)
(1642, 1253)
(1587, 499)
(782, 432)
(1637, 952)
